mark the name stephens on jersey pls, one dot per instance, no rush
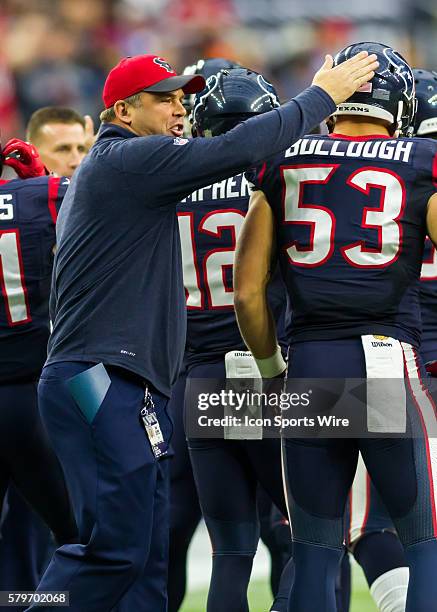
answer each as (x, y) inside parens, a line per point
(234, 187)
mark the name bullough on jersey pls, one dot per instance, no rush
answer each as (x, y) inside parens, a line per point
(382, 149)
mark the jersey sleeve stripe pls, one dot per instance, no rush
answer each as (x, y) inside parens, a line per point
(261, 173)
(426, 411)
(434, 171)
(54, 183)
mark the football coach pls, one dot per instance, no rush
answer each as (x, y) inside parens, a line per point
(118, 310)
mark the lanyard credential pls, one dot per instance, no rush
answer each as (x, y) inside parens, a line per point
(151, 425)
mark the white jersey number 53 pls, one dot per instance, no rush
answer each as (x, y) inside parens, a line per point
(321, 220)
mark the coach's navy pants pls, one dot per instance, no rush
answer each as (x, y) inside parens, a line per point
(118, 489)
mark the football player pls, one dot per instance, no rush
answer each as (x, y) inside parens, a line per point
(28, 211)
(212, 331)
(227, 472)
(371, 534)
(185, 511)
(425, 126)
(62, 137)
(348, 213)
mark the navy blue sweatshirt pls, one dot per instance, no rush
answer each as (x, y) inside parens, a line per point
(117, 293)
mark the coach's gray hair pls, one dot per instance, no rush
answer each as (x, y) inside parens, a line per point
(108, 114)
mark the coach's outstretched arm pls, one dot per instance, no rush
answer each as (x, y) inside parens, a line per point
(200, 161)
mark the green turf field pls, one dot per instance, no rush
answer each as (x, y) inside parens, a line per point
(260, 599)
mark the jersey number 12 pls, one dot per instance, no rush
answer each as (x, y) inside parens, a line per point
(212, 269)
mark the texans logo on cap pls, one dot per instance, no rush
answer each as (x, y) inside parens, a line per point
(149, 73)
(163, 64)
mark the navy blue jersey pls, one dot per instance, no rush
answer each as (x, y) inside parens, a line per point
(350, 223)
(210, 221)
(28, 211)
(118, 294)
(428, 302)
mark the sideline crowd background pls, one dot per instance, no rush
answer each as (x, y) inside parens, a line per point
(59, 51)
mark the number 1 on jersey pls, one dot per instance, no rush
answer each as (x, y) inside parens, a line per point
(193, 291)
(12, 278)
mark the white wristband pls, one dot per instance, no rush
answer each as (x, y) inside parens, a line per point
(271, 366)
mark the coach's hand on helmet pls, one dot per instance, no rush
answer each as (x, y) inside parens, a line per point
(23, 158)
(343, 80)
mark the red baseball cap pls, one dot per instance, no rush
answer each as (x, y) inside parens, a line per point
(146, 73)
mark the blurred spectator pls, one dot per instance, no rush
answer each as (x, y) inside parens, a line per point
(56, 52)
(9, 116)
(59, 134)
